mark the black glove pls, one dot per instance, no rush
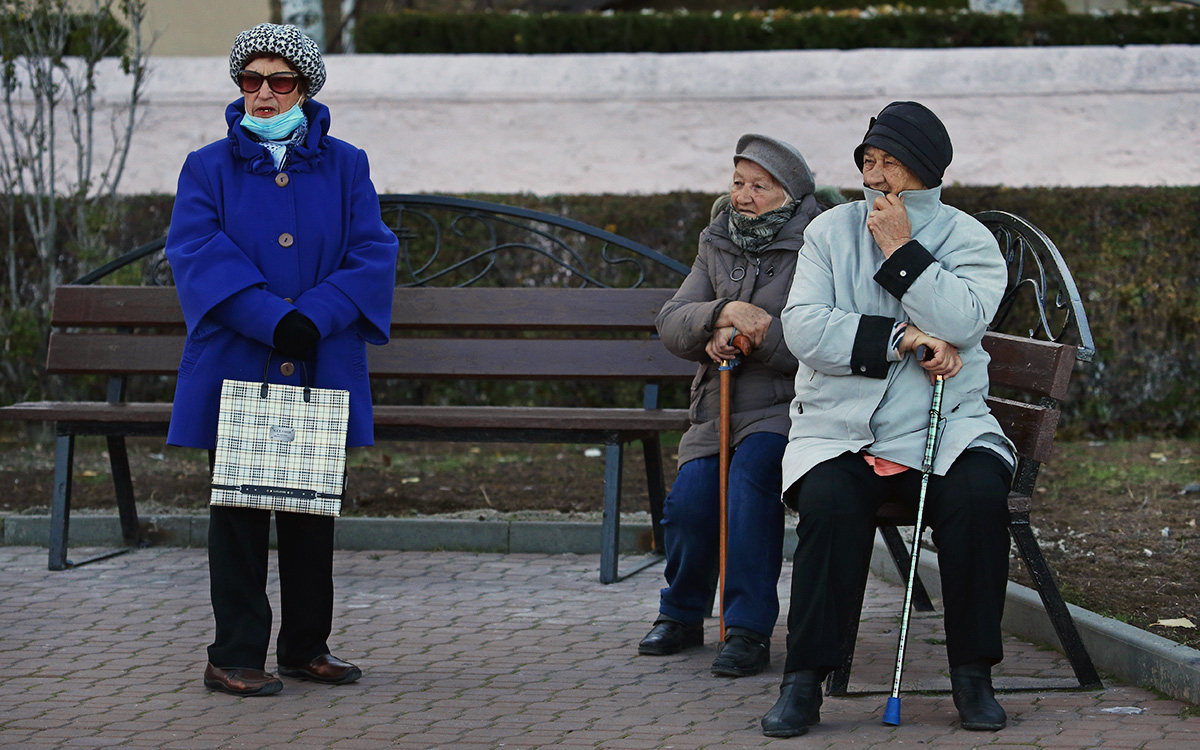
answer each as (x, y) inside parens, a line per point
(295, 335)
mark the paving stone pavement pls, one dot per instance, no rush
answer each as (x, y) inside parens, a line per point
(466, 650)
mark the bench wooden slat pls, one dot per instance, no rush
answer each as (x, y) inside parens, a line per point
(1029, 426)
(436, 417)
(116, 306)
(536, 359)
(539, 359)
(535, 309)
(113, 354)
(1040, 368)
(99, 412)
(532, 418)
(413, 308)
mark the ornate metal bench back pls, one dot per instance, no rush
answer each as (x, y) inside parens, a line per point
(1041, 300)
(456, 242)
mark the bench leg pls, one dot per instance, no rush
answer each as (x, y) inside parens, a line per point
(656, 486)
(60, 506)
(902, 556)
(118, 458)
(1056, 608)
(610, 530)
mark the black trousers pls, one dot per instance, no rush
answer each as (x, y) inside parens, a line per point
(237, 563)
(837, 500)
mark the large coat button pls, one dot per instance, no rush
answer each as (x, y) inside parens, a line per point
(286, 240)
(282, 179)
(286, 369)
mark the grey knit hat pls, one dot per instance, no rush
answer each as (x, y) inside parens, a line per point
(781, 160)
(913, 134)
(287, 42)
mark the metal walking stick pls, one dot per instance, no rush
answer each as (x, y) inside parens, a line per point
(891, 713)
(742, 344)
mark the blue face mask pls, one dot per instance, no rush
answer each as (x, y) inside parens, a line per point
(274, 128)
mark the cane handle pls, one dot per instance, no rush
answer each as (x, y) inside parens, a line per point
(741, 342)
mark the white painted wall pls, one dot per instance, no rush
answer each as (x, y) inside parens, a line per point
(648, 123)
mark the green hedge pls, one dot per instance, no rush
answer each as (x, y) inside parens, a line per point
(497, 33)
(1133, 253)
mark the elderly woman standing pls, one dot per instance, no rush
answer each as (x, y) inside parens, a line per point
(740, 280)
(279, 255)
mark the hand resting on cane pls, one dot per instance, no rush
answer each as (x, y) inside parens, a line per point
(750, 320)
(941, 357)
(728, 343)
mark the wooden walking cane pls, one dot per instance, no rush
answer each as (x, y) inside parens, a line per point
(742, 343)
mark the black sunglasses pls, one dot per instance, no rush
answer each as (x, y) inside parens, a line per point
(281, 83)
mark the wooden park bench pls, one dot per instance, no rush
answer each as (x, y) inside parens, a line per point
(1029, 372)
(486, 292)
(589, 319)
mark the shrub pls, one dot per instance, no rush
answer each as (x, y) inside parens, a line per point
(513, 33)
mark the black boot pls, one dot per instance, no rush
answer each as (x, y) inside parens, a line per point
(975, 699)
(798, 707)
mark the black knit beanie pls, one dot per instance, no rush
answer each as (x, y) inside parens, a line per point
(915, 136)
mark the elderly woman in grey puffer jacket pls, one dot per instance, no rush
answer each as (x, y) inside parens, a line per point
(739, 281)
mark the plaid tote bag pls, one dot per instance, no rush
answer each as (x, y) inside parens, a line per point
(281, 447)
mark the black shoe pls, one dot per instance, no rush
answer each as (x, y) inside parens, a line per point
(798, 707)
(670, 637)
(744, 654)
(971, 685)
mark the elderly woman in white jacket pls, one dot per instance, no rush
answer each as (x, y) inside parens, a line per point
(875, 280)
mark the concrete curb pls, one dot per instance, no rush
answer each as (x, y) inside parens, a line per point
(1130, 653)
(415, 534)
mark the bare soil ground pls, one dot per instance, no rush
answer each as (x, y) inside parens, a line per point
(1116, 520)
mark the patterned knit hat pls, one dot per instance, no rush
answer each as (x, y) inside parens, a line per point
(287, 42)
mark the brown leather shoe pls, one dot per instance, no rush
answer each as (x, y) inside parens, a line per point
(240, 681)
(325, 668)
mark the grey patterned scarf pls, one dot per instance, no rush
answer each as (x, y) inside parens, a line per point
(754, 233)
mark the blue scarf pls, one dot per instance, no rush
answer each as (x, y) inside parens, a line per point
(277, 127)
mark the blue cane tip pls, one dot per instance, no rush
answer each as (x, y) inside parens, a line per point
(891, 713)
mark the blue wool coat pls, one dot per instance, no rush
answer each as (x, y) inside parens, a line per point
(248, 244)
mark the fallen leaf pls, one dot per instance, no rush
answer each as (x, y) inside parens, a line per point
(88, 473)
(1159, 456)
(410, 480)
(1178, 622)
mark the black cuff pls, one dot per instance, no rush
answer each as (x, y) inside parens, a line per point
(869, 356)
(899, 272)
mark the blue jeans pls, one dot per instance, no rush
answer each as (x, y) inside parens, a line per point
(691, 518)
